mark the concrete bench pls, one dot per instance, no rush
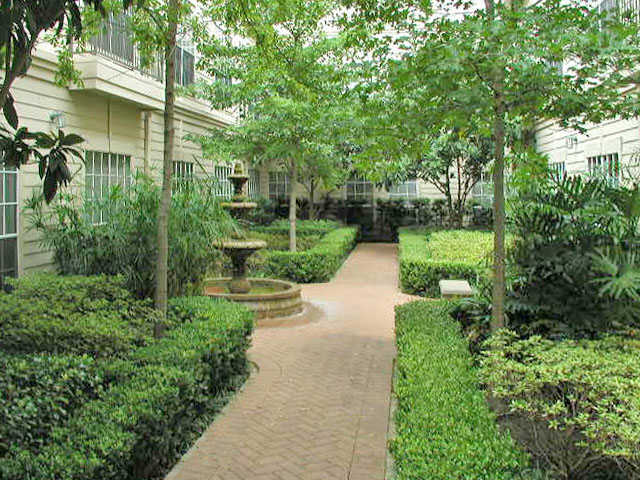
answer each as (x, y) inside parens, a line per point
(455, 289)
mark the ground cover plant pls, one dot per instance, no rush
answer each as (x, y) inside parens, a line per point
(428, 256)
(575, 405)
(445, 429)
(104, 399)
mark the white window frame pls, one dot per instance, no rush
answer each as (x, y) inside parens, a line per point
(254, 183)
(223, 186)
(358, 189)
(279, 187)
(8, 205)
(483, 189)
(405, 190)
(558, 169)
(607, 165)
(120, 176)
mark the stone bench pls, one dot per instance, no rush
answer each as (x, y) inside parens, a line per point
(455, 289)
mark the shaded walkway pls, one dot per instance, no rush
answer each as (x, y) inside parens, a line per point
(318, 407)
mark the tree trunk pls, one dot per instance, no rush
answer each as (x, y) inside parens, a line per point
(312, 206)
(162, 263)
(293, 184)
(498, 294)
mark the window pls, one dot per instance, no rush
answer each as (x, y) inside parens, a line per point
(483, 190)
(606, 166)
(8, 223)
(278, 185)
(408, 189)
(254, 183)
(185, 66)
(626, 10)
(359, 189)
(222, 186)
(558, 169)
(182, 172)
(103, 171)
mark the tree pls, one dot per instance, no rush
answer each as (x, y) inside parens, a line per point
(287, 77)
(453, 162)
(496, 64)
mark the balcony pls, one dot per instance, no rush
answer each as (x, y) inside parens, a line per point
(115, 42)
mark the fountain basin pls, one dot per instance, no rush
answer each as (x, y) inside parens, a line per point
(268, 298)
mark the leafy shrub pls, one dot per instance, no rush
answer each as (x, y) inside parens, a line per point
(165, 395)
(317, 264)
(427, 257)
(574, 404)
(573, 267)
(445, 429)
(303, 227)
(73, 315)
(40, 392)
(124, 242)
(280, 241)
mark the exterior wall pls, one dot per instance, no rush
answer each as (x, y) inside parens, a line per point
(613, 136)
(109, 121)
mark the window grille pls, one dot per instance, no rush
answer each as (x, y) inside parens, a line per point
(408, 189)
(103, 171)
(278, 185)
(8, 223)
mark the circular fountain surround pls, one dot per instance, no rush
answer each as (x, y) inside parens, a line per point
(268, 298)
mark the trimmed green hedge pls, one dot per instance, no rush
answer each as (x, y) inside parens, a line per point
(96, 316)
(161, 397)
(445, 429)
(426, 257)
(40, 392)
(303, 227)
(318, 264)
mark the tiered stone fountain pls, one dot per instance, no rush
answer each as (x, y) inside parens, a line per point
(269, 298)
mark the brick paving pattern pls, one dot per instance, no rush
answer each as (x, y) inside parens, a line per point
(318, 407)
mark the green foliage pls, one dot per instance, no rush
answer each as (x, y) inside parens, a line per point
(40, 392)
(73, 315)
(317, 264)
(125, 243)
(426, 257)
(574, 267)
(161, 399)
(445, 429)
(574, 404)
(303, 227)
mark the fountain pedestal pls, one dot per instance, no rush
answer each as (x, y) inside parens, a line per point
(268, 298)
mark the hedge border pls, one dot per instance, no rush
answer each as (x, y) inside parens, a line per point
(444, 427)
(420, 274)
(160, 399)
(316, 265)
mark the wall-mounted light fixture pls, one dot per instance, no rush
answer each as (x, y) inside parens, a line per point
(57, 119)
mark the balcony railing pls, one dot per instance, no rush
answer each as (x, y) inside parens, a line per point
(115, 41)
(628, 10)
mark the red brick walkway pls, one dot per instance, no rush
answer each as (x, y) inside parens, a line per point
(318, 407)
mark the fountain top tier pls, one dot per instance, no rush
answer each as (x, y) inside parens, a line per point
(239, 201)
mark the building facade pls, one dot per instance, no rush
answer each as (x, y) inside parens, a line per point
(118, 110)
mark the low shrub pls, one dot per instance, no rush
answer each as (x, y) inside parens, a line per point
(40, 392)
(317, 264)
(575, 405)
(445, 429)
(96, 316)
(303, 227)
(427, 257)
(164, 396)
(116, 235)
(280, 241)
